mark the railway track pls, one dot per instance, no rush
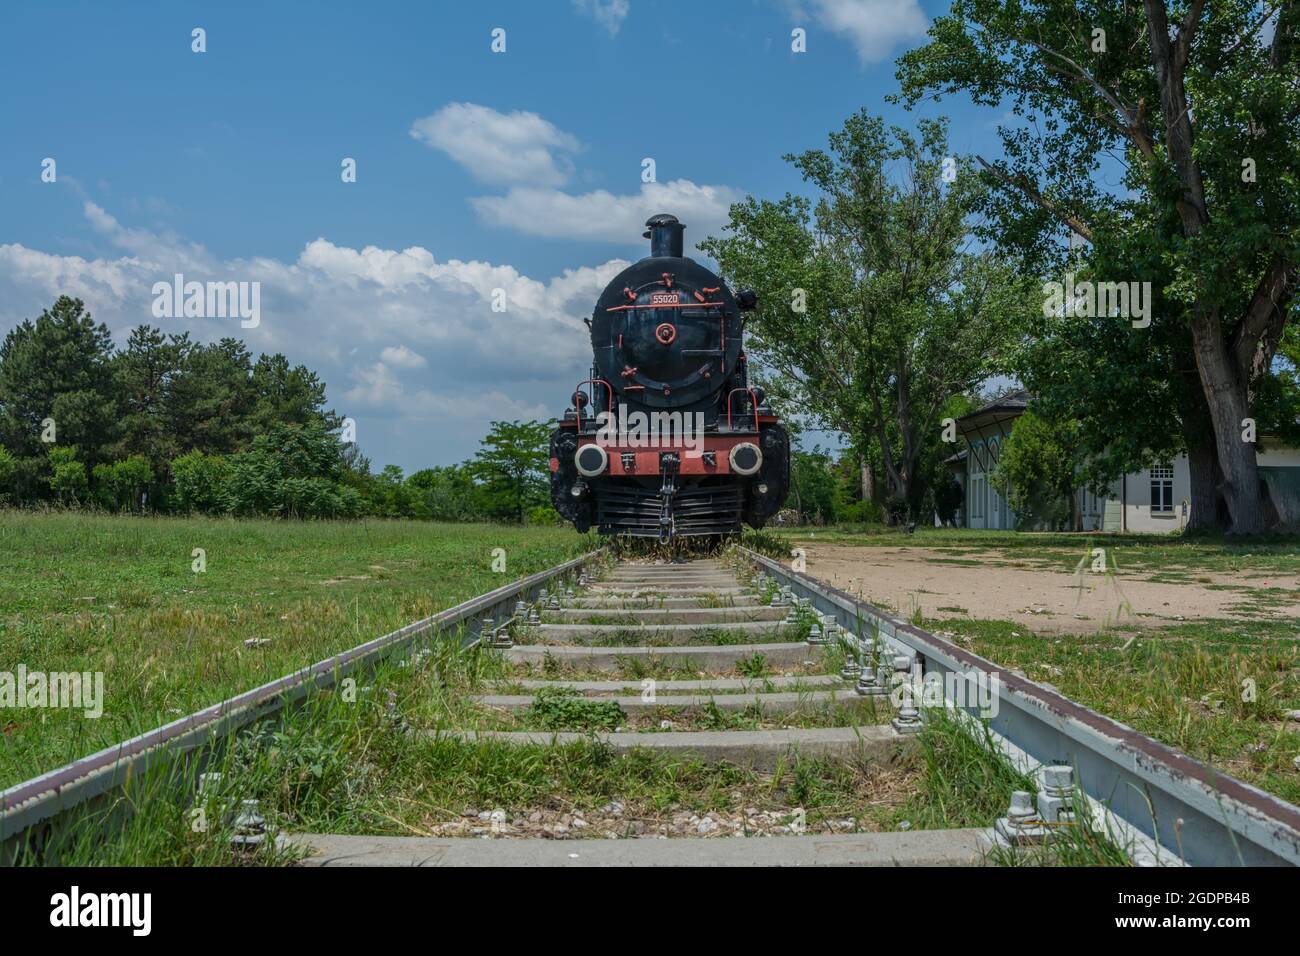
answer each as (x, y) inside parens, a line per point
(742, 663)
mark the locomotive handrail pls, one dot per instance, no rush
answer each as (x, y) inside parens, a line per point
(592, 381)
(752, 396)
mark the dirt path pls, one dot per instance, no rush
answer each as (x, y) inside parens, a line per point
(1046, 601)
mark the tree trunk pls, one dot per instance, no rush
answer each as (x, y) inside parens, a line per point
(1225, 394)
(1223, 379)
(868, 480)
(1202, 460)
(1203, 468)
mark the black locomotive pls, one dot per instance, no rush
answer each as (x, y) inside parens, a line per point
(667, 437)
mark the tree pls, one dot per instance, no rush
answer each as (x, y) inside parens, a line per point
(142, 374)
(123, 484)
(56, 368)
(67, 475)
(511, 467)
(1130, 396)
(393, 497)
(812, 486)
(1037, 472)
(1278, 404)
(287, 396)
(448, 493)
(291, 470)
(211, 397)
(198, 479)
(132, 478)
(873, 301)
(8, 471)
(1197, 113)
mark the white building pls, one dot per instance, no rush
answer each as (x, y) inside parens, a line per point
(1154, 500)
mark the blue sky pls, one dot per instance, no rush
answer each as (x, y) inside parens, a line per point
(476, 171)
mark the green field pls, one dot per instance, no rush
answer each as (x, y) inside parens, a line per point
(80, 592)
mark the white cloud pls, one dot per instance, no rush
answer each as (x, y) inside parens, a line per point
(874, 27)
(518, 147)
(402, 357)
(409, 345)
(148, 245)
(520, 150)
(610, 14)
(379, 390)
(604, 216)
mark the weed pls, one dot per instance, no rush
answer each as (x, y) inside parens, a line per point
(561, 708)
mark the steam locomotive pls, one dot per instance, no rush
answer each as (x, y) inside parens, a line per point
(667, 438)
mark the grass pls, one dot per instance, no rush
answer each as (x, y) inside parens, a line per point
(967, 782)
(116, 594)
(659, 668)
(170, 640)
(1173, 557)
(1217, 689)
(571, 712)
(448, 705)
(559, 708)
(717, 636)
(360, 766)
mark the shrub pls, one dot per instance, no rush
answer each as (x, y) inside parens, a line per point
(859, 512)
(198, 480)
(544, 514)
(8, 472)
(67, 475)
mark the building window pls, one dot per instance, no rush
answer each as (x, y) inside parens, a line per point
(1162, 489)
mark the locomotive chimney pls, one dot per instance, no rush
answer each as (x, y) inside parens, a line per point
(665, 235)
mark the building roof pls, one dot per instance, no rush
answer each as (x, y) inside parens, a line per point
(1003, 408)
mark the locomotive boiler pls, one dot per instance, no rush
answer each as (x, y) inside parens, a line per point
(667, 437)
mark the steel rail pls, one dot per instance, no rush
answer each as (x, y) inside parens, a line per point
(27, 804)
(1201, 816)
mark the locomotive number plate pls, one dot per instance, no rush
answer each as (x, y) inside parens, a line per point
(664, 298)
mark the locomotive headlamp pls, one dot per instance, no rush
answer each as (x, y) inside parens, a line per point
(747, 299)
(591, 460)
(745, 458)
